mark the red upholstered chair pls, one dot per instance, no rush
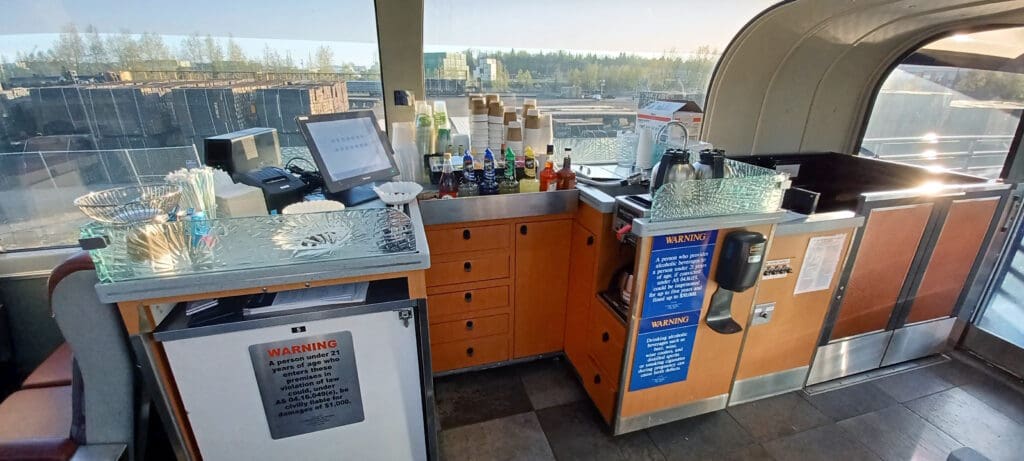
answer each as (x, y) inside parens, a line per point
(54, 371)
(93, 416)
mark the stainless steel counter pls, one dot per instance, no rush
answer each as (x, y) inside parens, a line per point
(645, 228)
(488, 207)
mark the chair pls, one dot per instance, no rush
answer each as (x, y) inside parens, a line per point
(94, 416)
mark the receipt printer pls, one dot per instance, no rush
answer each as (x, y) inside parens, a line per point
(280, 188)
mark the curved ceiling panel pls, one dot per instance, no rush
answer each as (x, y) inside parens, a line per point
(800, 77)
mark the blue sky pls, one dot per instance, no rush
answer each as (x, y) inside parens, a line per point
(645, 27)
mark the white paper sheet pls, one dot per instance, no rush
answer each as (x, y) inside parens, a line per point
(820, 263)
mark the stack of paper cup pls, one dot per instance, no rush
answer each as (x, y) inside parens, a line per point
(508, 117)
(532, 132)
(478, 126)
(528, 103)
(495, 124)
(515, 141)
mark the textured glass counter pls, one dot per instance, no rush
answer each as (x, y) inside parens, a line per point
(190, 248)
(746, 189)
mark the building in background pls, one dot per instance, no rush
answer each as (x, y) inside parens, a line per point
(487, 69)
(446, 65)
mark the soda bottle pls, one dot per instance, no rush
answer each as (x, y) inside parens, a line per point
(448, 186)
(566, 177)
(468, 187)
(509, 185)
(489, 183)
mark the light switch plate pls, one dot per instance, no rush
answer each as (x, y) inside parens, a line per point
(763, 313)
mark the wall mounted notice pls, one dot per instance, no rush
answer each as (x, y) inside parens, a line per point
(308, 384)
(820, 262)
(677, 278)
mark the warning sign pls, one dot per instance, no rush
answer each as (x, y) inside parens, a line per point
(308, 384)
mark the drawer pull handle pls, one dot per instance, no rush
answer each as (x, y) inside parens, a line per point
(466, 234)
(522, 229)
(590, 240)
(469, 352)
(469, 324)
(597, 379)
(468, 297)
(605, 337)
(467, 266)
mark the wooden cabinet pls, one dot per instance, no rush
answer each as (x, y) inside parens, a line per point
(583, 254)
(541, 285)
(496, 290)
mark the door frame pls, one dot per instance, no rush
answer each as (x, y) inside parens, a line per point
(998, 255)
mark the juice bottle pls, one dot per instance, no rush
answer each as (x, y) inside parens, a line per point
(448, 186)
(468, 187)
(489, 183)
(548, 177)
(566, 177)
(529, 183)
(509, 185)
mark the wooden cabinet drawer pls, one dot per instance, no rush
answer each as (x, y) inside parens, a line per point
(470, 238)
(468, 353)
(470, 328)
(468, 267)
(601, 391)
(606, 340)
(466, 301)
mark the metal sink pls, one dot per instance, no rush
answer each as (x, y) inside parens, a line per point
(618, 190)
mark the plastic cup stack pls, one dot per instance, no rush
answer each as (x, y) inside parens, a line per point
(515, 141)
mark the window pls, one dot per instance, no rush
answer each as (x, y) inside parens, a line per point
(590, 64)
(954, 105)
(106, 93)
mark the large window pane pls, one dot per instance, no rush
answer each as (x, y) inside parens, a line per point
(591, 64)
(955, 104)
(104, 93)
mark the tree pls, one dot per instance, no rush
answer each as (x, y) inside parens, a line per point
(500, 81)
(123, 49)
(235, 53)
(324, 59)
(271, 59)
(95, 49)
(213, 52)
(152, 48)
(69, 50)
(524, 78)
(192, 49)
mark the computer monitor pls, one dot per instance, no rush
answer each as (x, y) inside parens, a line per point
(351, 152)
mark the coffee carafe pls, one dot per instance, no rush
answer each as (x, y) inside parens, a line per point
(674, 167)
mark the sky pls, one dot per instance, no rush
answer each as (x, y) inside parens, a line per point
(649, 27)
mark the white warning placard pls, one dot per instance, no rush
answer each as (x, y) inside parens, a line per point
(820, 263)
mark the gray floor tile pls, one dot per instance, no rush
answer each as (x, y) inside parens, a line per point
(774, 417)
(479, 396)
(896, 434)
(700, 437)
(913, 384)
(550, 382)
(517, 437)
(747, 453)
(851, 401)
(957, 373)
(972, 423)
(1009, 400)
(821, 443)
(576, 431)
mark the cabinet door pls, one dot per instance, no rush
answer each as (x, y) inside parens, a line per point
(542, 277)
(583, 254)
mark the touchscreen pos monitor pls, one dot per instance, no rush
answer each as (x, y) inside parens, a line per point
(351, 153)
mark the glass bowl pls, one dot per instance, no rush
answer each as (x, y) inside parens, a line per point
(130, 204)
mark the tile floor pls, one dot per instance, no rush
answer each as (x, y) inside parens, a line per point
(538, 411)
